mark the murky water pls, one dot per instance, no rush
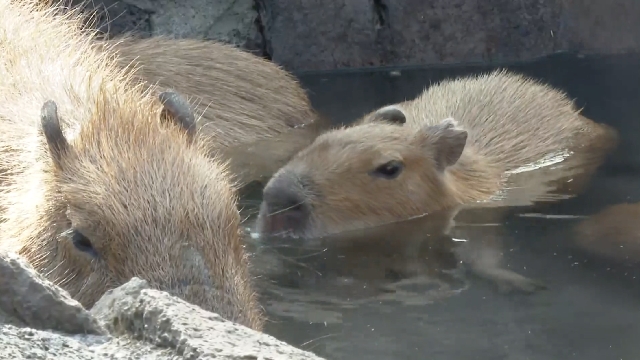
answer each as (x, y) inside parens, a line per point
(350, 304)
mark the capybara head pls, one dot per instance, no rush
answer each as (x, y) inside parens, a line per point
(362, 176)
(130, 195)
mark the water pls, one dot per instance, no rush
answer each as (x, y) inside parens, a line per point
(590, 309)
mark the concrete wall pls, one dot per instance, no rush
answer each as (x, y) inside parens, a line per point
(331, 34)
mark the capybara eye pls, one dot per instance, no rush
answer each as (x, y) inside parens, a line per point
(389, 170)
(82, 243)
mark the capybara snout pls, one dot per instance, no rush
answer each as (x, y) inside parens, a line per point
(354, 178)
(285, 205)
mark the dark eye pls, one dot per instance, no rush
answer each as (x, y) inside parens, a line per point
(389, 170)
(82, 243)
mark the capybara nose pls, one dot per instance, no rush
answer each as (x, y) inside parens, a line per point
(284, 206)
(283, 199)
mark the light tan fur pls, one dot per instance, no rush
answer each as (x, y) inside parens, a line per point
(252, 110)
(149, 202)
(614, 233)
(459, 146)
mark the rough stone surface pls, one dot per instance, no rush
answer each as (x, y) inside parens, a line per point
(33, 301)
(331, 34)
(26, 343)
(231, 21)
(320, 35)
(115, 17)
(595, 26)
(139, 323)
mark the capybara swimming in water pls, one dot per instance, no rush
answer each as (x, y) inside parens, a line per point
(451, 147)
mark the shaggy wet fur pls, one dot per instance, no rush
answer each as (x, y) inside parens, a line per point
(510, 121)
(129, 196)
(251, 109)
(461, 144)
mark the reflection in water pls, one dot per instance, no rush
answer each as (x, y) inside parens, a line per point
(614, 233)
(405, 262)
(403, 290)
(373, 260)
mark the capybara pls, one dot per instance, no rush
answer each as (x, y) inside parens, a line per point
(250, 110)
(106, 180)
(612, 233)
(453, 146)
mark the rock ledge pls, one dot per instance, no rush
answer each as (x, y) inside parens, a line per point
(39, 320)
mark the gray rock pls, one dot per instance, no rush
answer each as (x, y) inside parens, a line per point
(447, 31)
(24, 343)
(31, 300)
(230, 21)
(595, 26)
(143, 324)
(320, 35)
(114, 17)
(167, 322)
(332, 34)
(324, 35)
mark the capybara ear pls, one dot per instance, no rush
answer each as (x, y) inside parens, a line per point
(177, 109)
(50, 124)
(391, 114)
(447, 142)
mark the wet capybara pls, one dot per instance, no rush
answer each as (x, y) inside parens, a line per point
(248, 108)
(452, 147)
(613, 233)
(106, 180)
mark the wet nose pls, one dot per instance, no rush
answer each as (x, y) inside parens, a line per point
(284, 196)
(284, 206)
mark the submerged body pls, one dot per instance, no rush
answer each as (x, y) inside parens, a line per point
(249, 109)
(613, 233)
(453, 146)
(98, 188)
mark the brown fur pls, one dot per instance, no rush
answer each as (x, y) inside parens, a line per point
(502, 122)
(253, 110)
(149, 202)
(613, 233)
